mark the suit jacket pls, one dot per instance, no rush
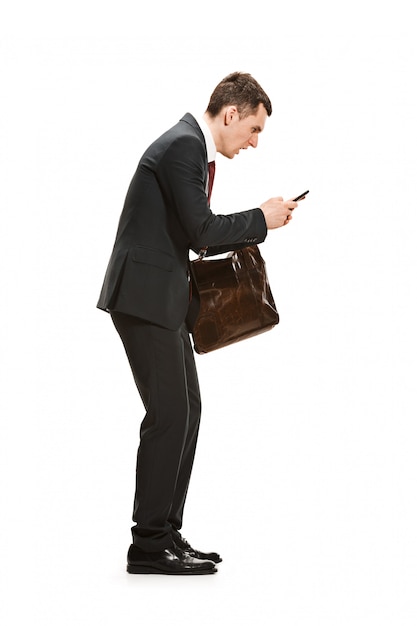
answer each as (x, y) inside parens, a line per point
(166, 213)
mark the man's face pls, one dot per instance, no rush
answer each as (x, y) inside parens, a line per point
(240, 133)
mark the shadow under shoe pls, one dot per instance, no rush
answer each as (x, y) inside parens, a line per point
(172, 561)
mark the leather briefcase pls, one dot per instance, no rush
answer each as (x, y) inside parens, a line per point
(236, 301)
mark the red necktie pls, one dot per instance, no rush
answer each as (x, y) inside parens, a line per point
(211, 171)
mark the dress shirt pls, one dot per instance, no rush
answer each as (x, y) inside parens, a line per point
(210, 145)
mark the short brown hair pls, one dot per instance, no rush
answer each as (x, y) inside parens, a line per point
(241, 90)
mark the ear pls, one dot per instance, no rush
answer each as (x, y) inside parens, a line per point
(230, 114)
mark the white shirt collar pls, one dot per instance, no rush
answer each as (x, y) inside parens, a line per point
(210, 145)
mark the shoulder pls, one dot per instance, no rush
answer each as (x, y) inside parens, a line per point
(188, 130)
(183, 142)
(187, 127)
(186, 138)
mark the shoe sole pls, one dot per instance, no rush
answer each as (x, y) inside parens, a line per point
(144, 569)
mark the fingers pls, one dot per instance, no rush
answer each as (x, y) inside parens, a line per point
(277, 212)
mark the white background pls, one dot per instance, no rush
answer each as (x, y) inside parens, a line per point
(305, 477)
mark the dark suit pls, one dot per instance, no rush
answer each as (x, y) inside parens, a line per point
(146, 290)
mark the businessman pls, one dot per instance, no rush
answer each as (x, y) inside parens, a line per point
(146, 290)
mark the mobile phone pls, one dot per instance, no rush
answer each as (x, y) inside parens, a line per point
(301, 196)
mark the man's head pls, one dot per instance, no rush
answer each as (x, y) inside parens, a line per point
(241, 90)
(236, 113)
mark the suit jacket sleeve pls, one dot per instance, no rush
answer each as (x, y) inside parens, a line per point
(182, 173)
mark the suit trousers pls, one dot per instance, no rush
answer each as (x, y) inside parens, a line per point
(163, 367)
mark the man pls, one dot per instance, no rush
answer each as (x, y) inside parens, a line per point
(147, 292)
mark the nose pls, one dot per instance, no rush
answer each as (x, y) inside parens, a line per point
(253, 141)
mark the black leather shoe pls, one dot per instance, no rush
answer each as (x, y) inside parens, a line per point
(185, 546)
(170, 561)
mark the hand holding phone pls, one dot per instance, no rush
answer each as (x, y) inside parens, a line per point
(277, 212)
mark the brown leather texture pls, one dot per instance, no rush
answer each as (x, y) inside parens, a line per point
(236, 301)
